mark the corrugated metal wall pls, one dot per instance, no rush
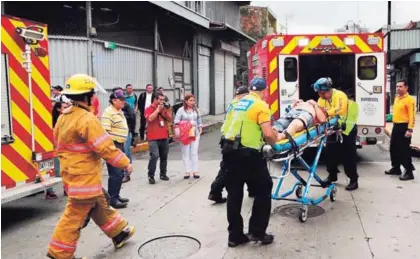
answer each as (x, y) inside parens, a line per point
(405, 39)
(67, 56)
(122, 66)
(223, 11)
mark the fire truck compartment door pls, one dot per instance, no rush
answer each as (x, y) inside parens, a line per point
(370, 88)
(288, 81)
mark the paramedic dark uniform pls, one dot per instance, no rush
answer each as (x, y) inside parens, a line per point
(245, 164)
(345, 152)
(404, 114)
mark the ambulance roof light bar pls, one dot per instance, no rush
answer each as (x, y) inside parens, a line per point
(303, 42)
(349, 41)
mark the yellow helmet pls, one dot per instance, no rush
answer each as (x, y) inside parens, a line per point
(79, 84)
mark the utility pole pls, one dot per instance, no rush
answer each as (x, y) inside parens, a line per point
(388, 58)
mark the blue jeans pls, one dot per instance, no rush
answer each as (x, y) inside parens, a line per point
(116, 176)
(57, 171)
(127, 148)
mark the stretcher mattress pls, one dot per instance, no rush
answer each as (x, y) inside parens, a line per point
(301, 137)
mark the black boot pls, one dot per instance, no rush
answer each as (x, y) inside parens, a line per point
(241, 240)
(124, 200)
(164, 177)
(393, 171)
(330, 179)
(408, 175)
(122, 237)
(353, 185)
(118, 204)
(217, 199)
(265, 239)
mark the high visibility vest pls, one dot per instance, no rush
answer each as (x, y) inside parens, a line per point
(351, 117)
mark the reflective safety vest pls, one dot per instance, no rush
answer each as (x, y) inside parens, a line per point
(351, 118)
(80, 143)
(228, 117)
(248, 114)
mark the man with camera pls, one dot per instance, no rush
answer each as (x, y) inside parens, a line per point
(336, 102)
(158, 115)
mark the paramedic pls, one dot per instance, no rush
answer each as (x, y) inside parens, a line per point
(219, 183)
(81, 144)
(245, 164)
(403, 119)
(335, 102)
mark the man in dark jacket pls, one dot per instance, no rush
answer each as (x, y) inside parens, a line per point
(131, 122)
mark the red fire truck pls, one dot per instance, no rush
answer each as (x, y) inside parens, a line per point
(27, 151)
(355, 62)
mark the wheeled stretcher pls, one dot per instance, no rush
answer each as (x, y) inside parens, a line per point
(291, 149)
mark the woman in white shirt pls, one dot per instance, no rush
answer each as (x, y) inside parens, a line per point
(189, 112)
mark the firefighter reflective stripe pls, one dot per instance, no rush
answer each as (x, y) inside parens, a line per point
(63, 246)
(116, 160)
(99, 140)
(117, 219)
(83, 148)
(83, 190)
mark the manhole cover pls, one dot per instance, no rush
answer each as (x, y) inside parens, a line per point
(294, 210)
(169, 247)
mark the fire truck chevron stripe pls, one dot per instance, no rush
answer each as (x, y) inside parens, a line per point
(12, 171)
(290, 46)
(362, 44)
(273, 86)
(22, 165)
(274, 106)
(6, 181)
(340, 44)
(273, 65)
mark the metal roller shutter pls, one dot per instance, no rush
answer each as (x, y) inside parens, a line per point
(204, 80)
(229, 78)
(219, 82)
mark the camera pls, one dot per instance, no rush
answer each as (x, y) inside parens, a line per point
(166, 105)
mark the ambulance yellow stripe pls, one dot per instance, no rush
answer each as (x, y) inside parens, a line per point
(273, 64)
(15, 50)
(361, 44)
(23, 89)
(340, 44)
(290, 46)
(12, 171)
(23, 150)
(25, 122)
(312, 44)
(273, 86)
(21, 24)
(274, 107)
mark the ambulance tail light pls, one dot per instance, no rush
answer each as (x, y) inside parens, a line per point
(378, 130)
(349, 41)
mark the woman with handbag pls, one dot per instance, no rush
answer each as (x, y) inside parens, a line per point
(189, 114)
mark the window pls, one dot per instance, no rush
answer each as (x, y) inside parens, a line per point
(196, 6)
(6, 118)
(367, 68)
(290, 70)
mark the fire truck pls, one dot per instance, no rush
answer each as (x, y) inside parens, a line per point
(27, 146)
(355, 63)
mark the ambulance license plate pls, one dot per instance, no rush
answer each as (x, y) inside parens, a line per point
(46, 165)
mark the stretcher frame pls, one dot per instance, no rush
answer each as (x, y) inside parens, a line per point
(286, 157)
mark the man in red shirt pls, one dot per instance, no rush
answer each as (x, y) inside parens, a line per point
(157, 118)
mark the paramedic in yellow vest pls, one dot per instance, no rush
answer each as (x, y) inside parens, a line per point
(335, 102)
(81, 144)
(404, 115)
(219, 183)
(243, 141)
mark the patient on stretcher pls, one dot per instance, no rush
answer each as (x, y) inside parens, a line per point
(302, 116)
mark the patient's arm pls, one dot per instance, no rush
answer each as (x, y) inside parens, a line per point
(296, 103)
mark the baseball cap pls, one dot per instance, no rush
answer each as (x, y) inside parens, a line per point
(242, 90)
(258, 84)
(58, 87)
(117, 94)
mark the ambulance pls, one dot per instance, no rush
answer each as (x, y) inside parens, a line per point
(27, 145)
(355, 63)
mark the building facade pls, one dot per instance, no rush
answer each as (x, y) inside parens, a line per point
(184, 47)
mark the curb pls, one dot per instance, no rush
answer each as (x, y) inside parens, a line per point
(144, 147)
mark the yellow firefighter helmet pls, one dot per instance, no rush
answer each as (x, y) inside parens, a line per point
(80, 84)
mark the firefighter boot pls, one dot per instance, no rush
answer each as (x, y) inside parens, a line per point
(122, 237)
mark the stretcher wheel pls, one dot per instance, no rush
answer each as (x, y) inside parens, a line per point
(298, 191)
(333, 193)
(304, 214)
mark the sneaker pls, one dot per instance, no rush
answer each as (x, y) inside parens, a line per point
(152, 180)
(122, 237)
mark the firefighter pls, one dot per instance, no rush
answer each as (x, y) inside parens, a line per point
(403, 118)
(81, 143)
(336, 102)
(241, 149)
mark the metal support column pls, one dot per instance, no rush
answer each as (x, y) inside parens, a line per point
(155, 52)
(90, 43)
(388, 60)
(195, 66)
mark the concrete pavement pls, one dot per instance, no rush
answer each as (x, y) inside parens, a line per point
(379, 220)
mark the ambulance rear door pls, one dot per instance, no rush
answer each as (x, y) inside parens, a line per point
(288, 81)
(370, 88)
